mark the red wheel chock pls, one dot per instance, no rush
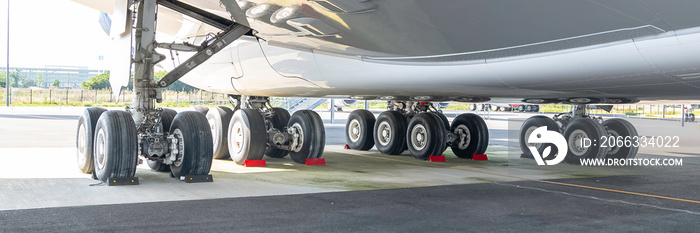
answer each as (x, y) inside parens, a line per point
(437, 158)
(480, 157)
(315, 162)
(254, 163)
(347, 147)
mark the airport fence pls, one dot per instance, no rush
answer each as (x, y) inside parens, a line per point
(104, 98)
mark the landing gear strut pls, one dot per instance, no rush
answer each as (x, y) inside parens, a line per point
(179, 142)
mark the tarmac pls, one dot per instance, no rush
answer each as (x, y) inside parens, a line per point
(41, 188)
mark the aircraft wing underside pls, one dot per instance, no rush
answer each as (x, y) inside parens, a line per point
(452, 50)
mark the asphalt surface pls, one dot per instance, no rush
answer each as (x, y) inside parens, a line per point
(492, 207)
(41, 191)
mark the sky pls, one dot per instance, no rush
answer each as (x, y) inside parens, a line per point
(52, 33)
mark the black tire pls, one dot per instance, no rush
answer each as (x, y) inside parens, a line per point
(166, 118)
(359, 130)
(116, 146)
(528, 108)
(279, 121)
(521, 108)
(313, 136)
(535, 108)
(201, 109)
(530, 125)
(85, 137)
(444, 124)
(624, 129)
(472, 127)
(472, 107)
(319, 139)
(427, 125)
(594, 131)
(390, 133)
(247, 136)
(218, 119)
(192, 130)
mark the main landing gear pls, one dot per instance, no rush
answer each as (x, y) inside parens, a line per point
(259, 129)
(578, 128)
(419, 128)
(184, 143)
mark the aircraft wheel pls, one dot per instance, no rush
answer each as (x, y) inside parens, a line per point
(576, 133)
(535, 108)
(279, 121)
(445, 124)
(358, 130)
(85, 138)
(620, 130)
(424, 135)
(530, 125)
(472, 107)
(390, 133)
(194, 144)
(521, 108)
(201, 109)
(116, 144)
(219, 119)
(528, 108)
(472, 135)
(247, 136)
(166, 119)
(310, 136)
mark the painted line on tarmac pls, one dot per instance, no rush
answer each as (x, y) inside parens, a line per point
(536, 180)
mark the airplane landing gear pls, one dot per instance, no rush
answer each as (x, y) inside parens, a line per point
(578, 128)
(181, 142)
(258, 129)
(418, 127)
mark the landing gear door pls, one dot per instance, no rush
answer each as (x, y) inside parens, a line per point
(120, 33)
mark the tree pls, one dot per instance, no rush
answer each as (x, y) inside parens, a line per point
(176, 86)
(40, 79)
(56, 83)
(15, 78)
(98, 82)
(3, 79)
(28, 83)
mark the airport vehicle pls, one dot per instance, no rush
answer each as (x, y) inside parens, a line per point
(411, 53)
(340, 104)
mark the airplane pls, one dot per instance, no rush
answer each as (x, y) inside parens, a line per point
(411, 54)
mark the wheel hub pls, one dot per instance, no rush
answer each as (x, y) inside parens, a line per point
(576, 142)
(100, 142)
(613, 148)
(81, 145)
(528, 132)
(385, 133)
(177, 148)
(419, 137)
(297, 137)
(354, 130)
(465, 136)
(237, 139)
